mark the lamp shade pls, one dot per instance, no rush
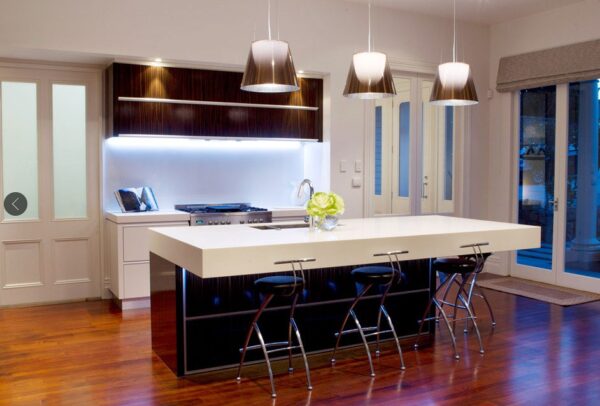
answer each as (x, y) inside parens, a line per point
(454, 86)
(270, 68)
(369, 77)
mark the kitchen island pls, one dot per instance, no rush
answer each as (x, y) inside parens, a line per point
(202, 297)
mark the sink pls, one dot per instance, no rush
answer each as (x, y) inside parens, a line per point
(280, 226)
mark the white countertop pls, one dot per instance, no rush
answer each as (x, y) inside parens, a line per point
(242, 250)
(160, 216)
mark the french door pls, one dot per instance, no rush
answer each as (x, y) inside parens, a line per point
(412, 153)
(557, 183)
(49, 160)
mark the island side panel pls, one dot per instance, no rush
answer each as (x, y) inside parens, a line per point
(166, 304)
(217, 312)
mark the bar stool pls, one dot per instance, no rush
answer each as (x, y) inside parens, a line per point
(369, 276)
(473, 288)
(269, 287)
(462, 271)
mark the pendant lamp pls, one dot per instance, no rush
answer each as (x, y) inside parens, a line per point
(453, 85)
(369, 76)
(270, 68)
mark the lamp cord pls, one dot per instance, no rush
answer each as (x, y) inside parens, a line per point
(369, 38)
(269, 17)
(454, 30)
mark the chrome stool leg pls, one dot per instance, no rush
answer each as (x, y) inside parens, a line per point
(487, 303)
(364, 340)
(290, 327)
(267, 360)
(253, 325)
(440, 311)
(467, 306)
(389, 320)
(431, 302)
(309, 384)
(339, 333)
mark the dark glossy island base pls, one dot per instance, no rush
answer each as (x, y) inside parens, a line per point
(198, 325)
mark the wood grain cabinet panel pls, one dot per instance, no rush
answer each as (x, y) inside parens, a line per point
(197, 85)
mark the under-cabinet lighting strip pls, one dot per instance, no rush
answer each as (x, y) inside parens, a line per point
(217, 138)
(215, 103)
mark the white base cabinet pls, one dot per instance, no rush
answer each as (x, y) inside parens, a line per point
(127, 255)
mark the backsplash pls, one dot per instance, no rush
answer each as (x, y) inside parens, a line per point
(264, 173)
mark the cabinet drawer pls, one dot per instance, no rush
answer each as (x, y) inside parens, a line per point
(136, 278)
(135, 244)
(135, 241)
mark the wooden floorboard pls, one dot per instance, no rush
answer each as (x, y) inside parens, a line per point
(92, 354)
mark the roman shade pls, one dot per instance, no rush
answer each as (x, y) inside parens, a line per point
(570, 63)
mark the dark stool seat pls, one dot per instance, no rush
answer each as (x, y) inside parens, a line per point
(375, 275)
(451, 265)
(278, 285)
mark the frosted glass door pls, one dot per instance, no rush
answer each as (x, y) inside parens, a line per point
(20, 146)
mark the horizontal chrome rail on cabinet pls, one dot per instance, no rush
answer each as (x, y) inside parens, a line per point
(216, 103)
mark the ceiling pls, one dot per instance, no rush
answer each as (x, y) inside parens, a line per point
(479, 11)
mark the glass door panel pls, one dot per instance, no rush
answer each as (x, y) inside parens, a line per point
(20, 148)
(582, 247)
(69, 151)
(536, 171)
(401, 147)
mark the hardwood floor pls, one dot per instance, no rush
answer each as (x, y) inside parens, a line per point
(92, 354)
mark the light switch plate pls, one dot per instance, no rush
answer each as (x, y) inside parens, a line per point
(358, 166)
(357, 181)
(343, 166)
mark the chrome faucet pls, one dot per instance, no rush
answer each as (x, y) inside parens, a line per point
(308, 219)
(311, 188)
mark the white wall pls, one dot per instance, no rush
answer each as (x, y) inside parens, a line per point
(571, 24)
(323, 35)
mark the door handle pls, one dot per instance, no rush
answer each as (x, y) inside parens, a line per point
(554, 203)
(424, 188)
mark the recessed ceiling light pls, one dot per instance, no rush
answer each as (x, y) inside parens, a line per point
(158, 60)
(300, 71)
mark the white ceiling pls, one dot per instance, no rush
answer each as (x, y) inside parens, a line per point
(479, 11)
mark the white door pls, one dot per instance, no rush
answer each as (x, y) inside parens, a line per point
(49, 157)
(557, 188)
(412, 153)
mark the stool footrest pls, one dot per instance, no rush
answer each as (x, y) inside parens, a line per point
(355, 330)
(364, 329)
(273, 344)
(449, 319)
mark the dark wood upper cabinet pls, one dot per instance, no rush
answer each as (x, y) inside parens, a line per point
(150, 100)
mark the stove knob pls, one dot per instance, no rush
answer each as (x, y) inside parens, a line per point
(222, 221)
(210, 222)
(241, 221)
(228, 222)
(261, 221)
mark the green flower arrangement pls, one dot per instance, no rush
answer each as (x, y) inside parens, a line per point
(324, 204)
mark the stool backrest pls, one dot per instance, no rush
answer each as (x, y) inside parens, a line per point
(478, 254)
(296, 268)
(393, 257)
